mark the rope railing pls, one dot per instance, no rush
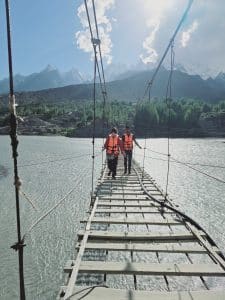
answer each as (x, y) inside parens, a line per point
(175, 161)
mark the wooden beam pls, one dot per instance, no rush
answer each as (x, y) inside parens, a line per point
(132, 211)
(144, 247)
(143, 236)
(127, 204)
(128, 268)
(132, 220)
(112, 294)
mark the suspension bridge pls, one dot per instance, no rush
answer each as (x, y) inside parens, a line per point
(130, 216)
(134, 243)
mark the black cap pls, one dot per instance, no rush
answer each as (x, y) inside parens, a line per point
(114, 129)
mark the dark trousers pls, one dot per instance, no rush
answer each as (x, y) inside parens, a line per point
(127, 158)
(112, 165)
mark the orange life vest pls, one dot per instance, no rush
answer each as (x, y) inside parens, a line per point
(113, 145)
(128, 141)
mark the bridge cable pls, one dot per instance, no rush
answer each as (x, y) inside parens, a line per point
(97, 41)
(94, 121)
(168, 102)
(19, 245)
(188, 165)
(104, 93)
(149, 85)
(145, 143)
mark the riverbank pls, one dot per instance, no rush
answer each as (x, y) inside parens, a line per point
(36, 126)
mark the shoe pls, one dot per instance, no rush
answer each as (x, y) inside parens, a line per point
(109, 173)
(125, 172)
(113, 177)
(129, 172)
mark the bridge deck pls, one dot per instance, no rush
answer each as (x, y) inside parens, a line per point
(133, 247)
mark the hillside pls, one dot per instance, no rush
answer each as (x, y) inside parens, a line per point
(132, 88)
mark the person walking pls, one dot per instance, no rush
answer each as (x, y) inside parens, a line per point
(128, 139)
(113, 146)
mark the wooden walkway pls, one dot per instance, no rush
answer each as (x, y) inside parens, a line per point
(132, 247)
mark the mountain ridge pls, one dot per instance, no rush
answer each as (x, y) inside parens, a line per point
(131, 88)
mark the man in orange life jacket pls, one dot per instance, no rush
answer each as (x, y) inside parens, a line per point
(113, 146)
(128, 138)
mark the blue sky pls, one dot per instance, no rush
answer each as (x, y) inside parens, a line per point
(43, 32)
(134, 32)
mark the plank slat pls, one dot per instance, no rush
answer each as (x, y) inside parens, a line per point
(130, 211)
(112, 294)
(145, 236)
(127, 204)
(147, 247)
(130, 220)
(128, 268)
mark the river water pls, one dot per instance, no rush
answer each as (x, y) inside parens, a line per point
(51, 166)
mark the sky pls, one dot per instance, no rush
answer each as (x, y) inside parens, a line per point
(132, 32)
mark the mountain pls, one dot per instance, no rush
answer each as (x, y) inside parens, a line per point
(131, 89)
(50, 77)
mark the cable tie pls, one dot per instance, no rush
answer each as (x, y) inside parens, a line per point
(18, 183)
(18, 245)
(95, 41)
(12, 104)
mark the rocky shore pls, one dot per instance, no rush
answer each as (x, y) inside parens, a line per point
(35, 125)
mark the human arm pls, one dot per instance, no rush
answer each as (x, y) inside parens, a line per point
(105, 144)
(121, 146)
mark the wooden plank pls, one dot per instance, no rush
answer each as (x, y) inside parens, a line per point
(143, 236)
(115, 193)
(112, 294)
(127, 204)
(144, 247)
(145, 199)
(132, 211)
(127, 193)
(128, 268)
(132, 220)
(125, 197)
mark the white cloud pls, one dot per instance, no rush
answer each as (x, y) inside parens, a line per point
(151, 54)
(105, 27)
(186, 35)
(156, 13)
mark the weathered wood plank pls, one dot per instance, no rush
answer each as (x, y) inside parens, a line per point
(132, 220)
(122, 199)
(144, 247)
(127, 204)
(128, 268)
(112, 294)
(144, 236)
(130, 211)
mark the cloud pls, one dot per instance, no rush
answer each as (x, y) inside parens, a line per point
(156, 13)
(105, 27)
(186, 35)
(151, 54)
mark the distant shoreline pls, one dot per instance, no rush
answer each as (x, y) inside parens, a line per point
(154, 136)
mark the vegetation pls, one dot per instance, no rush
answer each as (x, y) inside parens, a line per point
(154, 116)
